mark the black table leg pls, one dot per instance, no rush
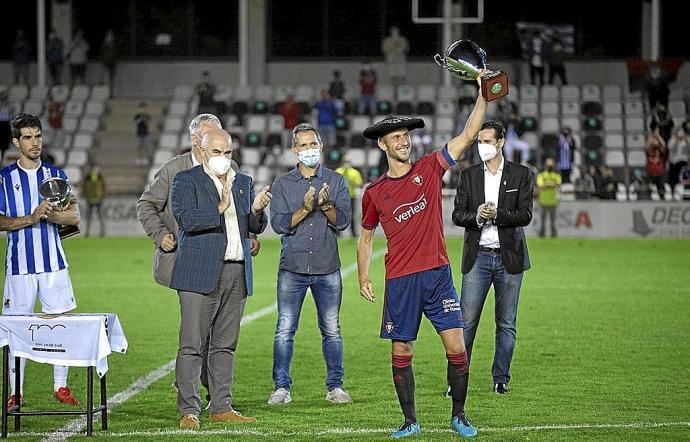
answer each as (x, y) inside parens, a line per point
(5, 381)
(17, 391)
(89, 401)
(104, 404)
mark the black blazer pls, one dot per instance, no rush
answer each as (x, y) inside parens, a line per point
(514, 211)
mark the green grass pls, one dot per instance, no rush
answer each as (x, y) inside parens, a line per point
(603, 342)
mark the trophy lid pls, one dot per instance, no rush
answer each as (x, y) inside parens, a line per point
(465, 58)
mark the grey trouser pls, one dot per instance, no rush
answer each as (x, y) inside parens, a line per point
(214, 317)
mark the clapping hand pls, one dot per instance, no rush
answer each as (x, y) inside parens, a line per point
(323, 194)
(309, 199)
(262, 199)
(226, 194)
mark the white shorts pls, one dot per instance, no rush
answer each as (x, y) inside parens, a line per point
(54, 290)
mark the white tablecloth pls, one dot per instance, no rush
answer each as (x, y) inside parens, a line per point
(78, 340)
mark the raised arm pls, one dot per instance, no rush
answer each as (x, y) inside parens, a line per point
(459, 145)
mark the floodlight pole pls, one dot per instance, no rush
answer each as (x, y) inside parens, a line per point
(243, 18)
(41, 41)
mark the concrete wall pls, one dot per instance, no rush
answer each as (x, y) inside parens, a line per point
(158, 79)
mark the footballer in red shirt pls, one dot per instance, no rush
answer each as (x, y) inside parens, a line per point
(407, 203)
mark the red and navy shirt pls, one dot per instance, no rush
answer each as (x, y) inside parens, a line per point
(410, 212)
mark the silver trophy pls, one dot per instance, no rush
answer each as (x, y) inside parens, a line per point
(465, 59)
(58, 192)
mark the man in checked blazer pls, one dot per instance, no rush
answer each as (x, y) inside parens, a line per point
(216, 210)
(493, 203)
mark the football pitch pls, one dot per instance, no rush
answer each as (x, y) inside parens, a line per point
(603, 352)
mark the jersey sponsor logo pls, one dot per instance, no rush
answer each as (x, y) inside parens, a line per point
(409, 210)
(450, 305)
(417, 179)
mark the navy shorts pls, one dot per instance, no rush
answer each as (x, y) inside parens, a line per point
(430, 292)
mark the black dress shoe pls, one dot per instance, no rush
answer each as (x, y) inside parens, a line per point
(500, 388)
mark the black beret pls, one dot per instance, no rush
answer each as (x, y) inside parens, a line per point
(391, 123)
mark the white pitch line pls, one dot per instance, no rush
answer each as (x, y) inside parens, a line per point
(78, 425)
(365, 431)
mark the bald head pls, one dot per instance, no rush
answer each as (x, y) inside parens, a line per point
(216, 138)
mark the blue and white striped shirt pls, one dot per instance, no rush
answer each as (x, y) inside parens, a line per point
(37, 248)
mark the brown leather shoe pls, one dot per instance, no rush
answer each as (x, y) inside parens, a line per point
(232, 416)
(190, 422)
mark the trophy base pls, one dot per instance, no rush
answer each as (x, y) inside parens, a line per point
(494, 85)
(67, 231)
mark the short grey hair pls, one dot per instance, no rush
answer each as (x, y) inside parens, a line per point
(203, 118)
(304, 127)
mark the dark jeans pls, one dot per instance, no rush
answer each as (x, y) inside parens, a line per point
(659, 182)
(488, 270)
(536, 72)
(557, 71)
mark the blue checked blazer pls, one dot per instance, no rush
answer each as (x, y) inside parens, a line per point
(202, 238)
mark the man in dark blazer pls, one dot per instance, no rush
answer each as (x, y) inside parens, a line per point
(153, 208)
(216, 210)
(493, 204)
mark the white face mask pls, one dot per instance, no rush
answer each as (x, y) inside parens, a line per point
(219, 165)
(309, 157)
(487, 151)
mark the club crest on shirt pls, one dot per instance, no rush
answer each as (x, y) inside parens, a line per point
(389, 327)
(417, 179)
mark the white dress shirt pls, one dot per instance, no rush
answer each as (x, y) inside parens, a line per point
(233, 251)
(492, 184)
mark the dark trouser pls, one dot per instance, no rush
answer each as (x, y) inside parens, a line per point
(549, 211)
(353, 223)
(215, 317)
(55, 73)
(659, 182)
(536, 72)
(674, 174)
(557, 71)
(89, 212)
(565, 175)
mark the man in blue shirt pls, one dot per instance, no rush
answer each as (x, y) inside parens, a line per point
(326, 119)
(308, 220)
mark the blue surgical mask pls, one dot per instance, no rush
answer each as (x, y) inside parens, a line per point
(309, 157)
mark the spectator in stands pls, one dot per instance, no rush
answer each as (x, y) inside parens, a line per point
(585, 188)
(656, 152)
(678, 150)
(93, 189)
(515, 143)
(55, 56)
(77, 56)
(422, 143)
(55, 112)
(657, 86)
(684, 179)
(21, 56)
(109, 58)
(395, 48)
(536, 51)
(662, 119)
(548, 184)
(142, 120)
(566, 153)
(354, 182)
(337, 91)
(5, 131)
(272, 160)
(556, 59)
(640, 186)
(290, 112)
(609, 185)
(206, 90)
(367, 96)
(326, 118)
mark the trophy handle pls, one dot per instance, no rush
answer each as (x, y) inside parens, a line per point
(440, 60)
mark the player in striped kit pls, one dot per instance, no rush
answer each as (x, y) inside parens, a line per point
(36, 264)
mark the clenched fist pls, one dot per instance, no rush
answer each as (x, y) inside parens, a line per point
(262, 199)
